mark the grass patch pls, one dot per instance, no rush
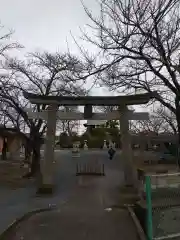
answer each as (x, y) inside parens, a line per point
(46, 189)
(157, 167)
(140, 159)
(128, 196)
(11, 175)
(127, 190)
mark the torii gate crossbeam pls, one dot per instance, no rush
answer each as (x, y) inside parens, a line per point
(114, 115)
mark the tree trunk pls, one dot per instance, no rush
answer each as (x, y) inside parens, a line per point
(28, 150)
(178, 127)
(4, 149)
(36, 155)
(35, 164)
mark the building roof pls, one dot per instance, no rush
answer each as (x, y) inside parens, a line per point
(90, 100)
(8, 131)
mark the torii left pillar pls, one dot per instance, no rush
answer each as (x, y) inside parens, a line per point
(47, 170)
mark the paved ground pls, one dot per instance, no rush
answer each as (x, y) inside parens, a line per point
(15, 203)
(85, 214)
(80, 204)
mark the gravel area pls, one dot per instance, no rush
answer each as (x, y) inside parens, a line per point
(166, 221)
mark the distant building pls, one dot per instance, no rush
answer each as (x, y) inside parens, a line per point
(13, 140)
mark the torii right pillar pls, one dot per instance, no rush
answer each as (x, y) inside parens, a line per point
(127, 155)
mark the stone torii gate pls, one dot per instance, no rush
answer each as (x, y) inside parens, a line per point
(51, 115)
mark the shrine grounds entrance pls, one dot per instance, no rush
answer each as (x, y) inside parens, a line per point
(123, 114)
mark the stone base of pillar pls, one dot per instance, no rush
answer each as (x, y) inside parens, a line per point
(46, 189)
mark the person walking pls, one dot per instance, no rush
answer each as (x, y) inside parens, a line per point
(111, 150)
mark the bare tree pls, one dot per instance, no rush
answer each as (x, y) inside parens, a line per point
(68, 126)
(46, 74)
(161, 121)
(153, 125)
(169, 118)
(6, 44)
(139, 43)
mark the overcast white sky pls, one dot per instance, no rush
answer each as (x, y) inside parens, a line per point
(46, 25)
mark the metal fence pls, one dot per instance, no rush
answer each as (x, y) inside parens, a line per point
(163, 206)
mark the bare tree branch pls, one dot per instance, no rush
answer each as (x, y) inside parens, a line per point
(46, 74)
(139, 43)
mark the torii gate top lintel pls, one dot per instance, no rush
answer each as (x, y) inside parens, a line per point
(90, 100)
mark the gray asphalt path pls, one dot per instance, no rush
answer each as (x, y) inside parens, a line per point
(85, 214)
(14, 203)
